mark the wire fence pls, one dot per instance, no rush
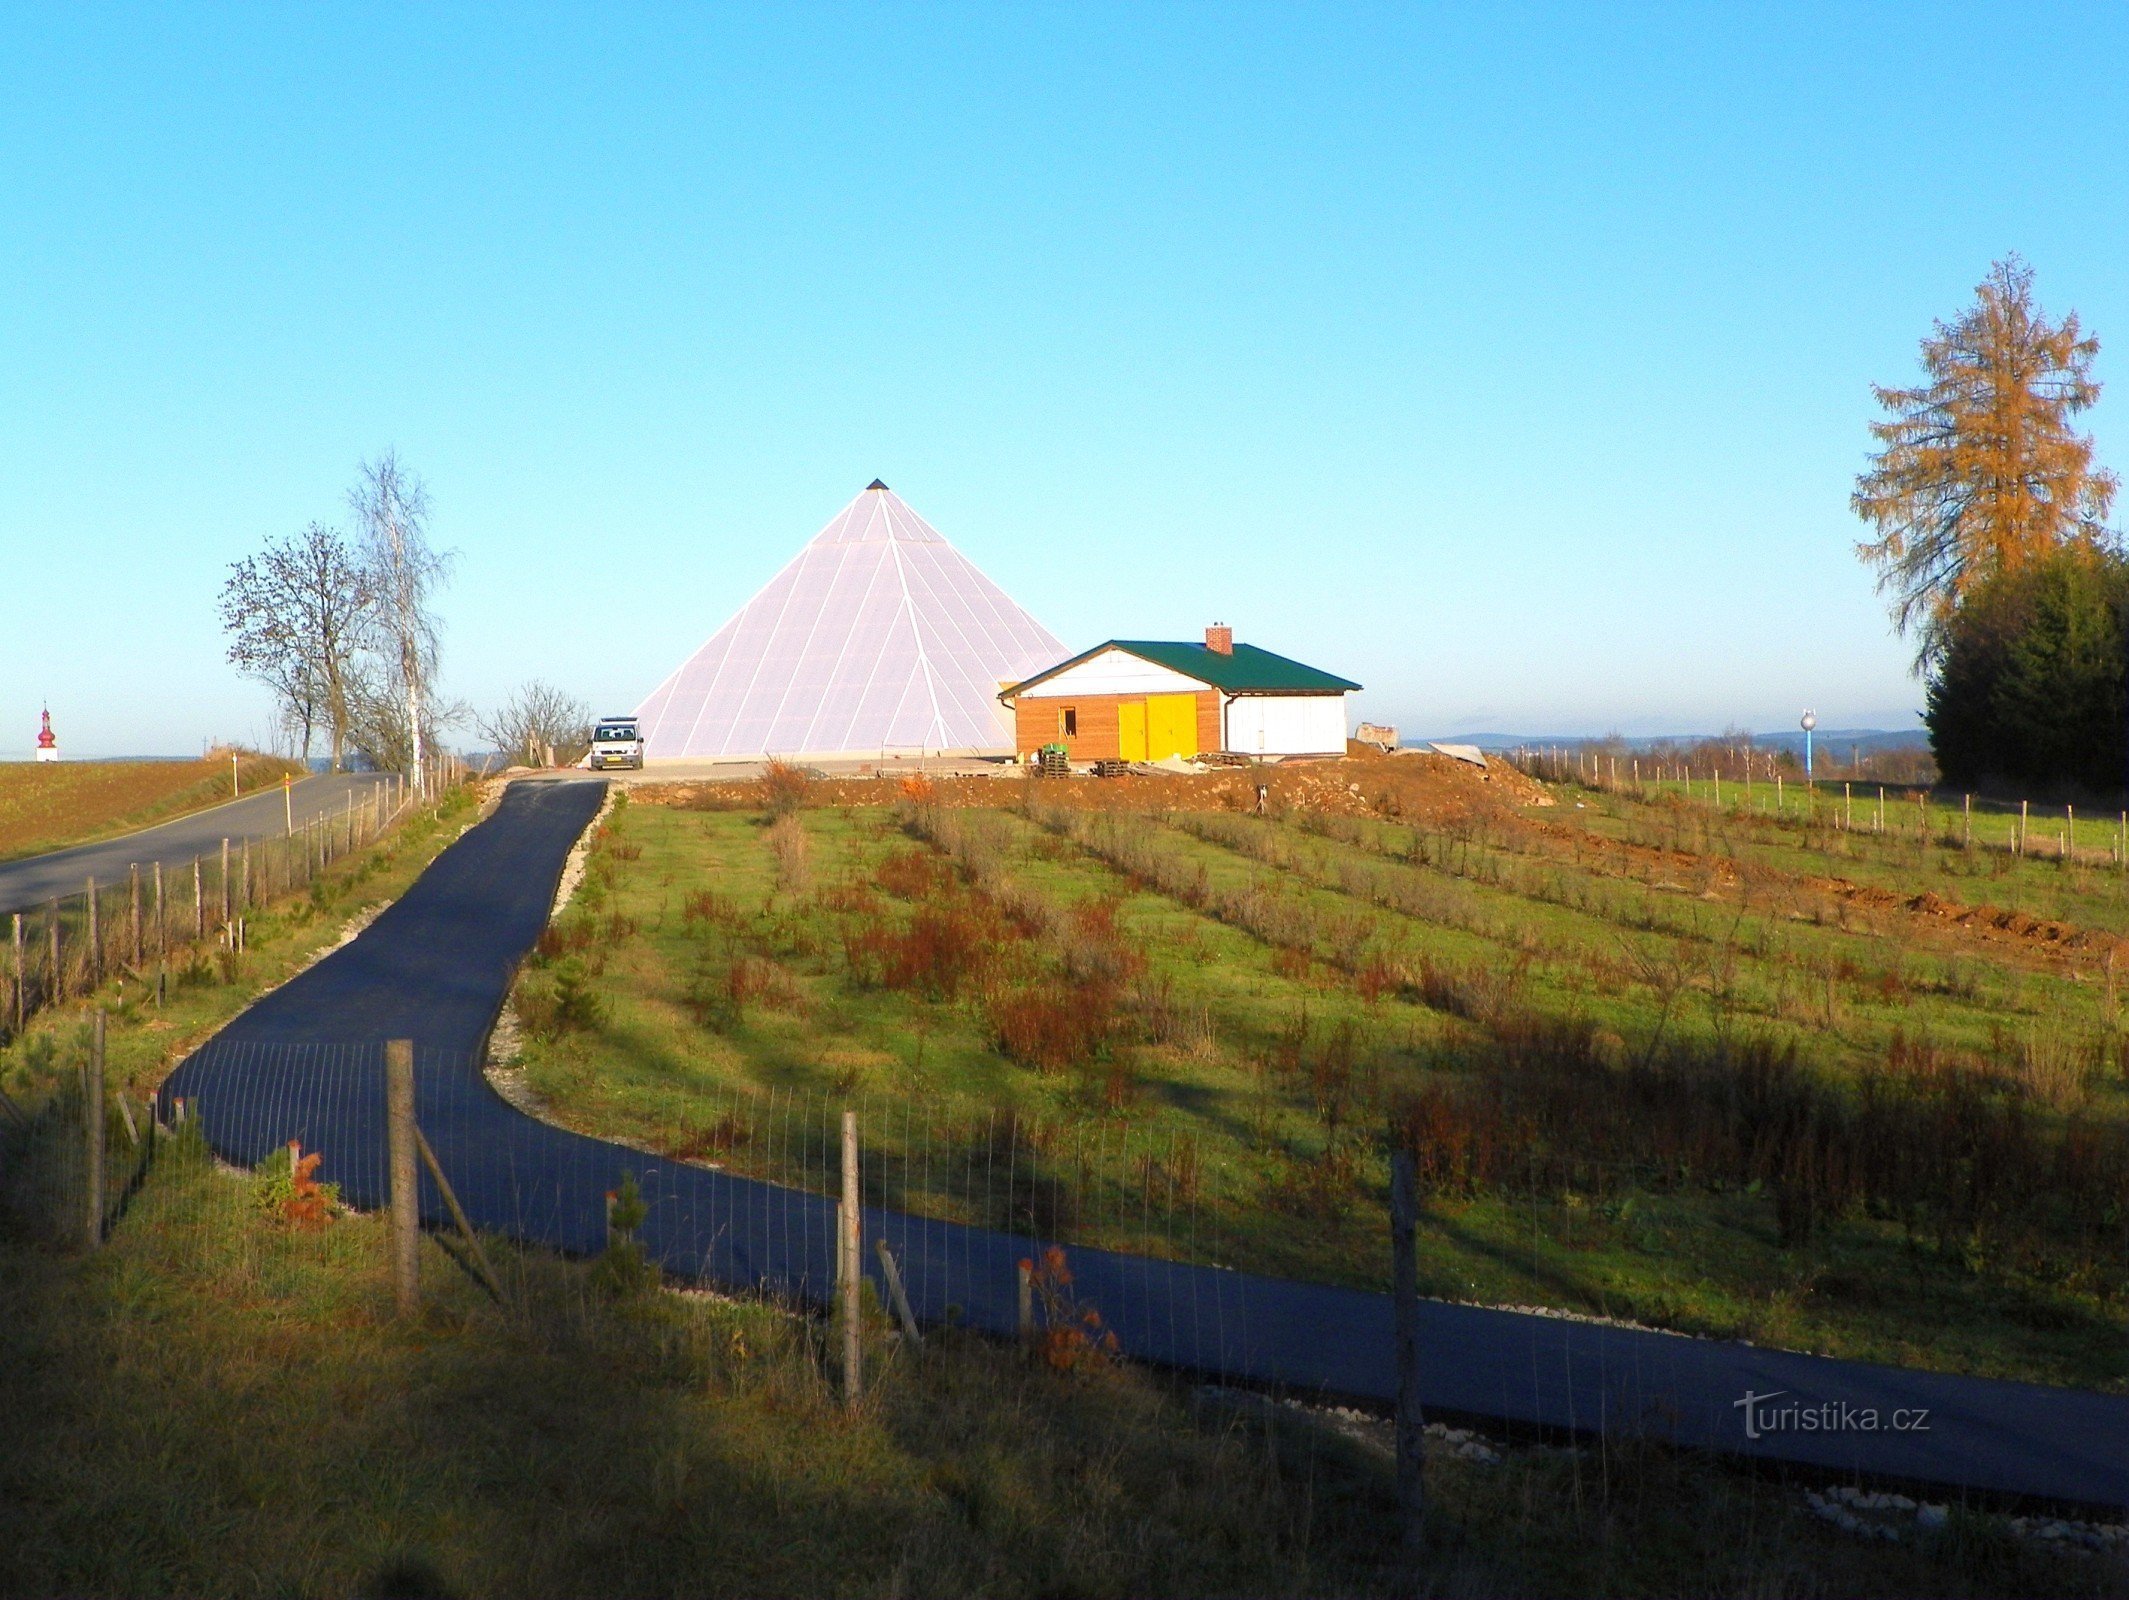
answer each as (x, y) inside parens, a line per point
(1084, 1240)
(164, 917)
(306, 1130)
(1762, 787)
(959, 1202)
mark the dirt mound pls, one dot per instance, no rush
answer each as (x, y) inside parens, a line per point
(1997, 921)
(1421, 788)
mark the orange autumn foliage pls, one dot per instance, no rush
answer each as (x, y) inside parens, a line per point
(1072, 1338)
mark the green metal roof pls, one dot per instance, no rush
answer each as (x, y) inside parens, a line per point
(1248, 671)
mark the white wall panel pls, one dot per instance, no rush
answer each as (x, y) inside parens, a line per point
(1113, 672)
(1287, 725)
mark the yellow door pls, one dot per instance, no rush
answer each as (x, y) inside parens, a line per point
(1171, 726)
(1131, 730)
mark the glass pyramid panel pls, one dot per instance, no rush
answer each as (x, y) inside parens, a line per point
(879, 638)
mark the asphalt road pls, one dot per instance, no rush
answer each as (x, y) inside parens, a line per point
(307, 1063)
(37, 879)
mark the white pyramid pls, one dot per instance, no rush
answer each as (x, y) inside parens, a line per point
(879, 638)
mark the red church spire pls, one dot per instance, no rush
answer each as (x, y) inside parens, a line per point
(46, 739)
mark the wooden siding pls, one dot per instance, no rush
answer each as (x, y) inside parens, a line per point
(1036, 721)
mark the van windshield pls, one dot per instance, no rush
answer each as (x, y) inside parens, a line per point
(609, 732)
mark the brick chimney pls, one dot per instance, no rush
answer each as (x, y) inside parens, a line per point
(1220, 639)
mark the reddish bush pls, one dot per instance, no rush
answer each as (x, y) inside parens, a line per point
(707, 905)
(784, 788)
(1297, 965)
(912, 874)
(1049, 1026)
(1377, 976)
(950, 944)
(1070, 1337)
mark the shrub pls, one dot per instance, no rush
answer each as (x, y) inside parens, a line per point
(569, 1006)
(624, 1268)
(722, 989)
(1048, 1026)
(912, 874)
(1069, 1335)
(707, 905)
(285, 1187)
(784, 788)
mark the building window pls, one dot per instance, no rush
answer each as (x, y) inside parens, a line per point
(1068, 722)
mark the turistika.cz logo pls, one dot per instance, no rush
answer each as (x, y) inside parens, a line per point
(1763, 1416)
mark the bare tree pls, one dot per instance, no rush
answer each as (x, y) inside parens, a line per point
(391, 506)
(294, 613)
(536, 715)
(1981, 471)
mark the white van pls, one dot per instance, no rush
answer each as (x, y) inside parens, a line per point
(616, 742)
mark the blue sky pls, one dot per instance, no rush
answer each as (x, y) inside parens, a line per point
(1514, 363)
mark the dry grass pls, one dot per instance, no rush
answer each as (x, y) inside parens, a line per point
(49, 806)
(786, 839)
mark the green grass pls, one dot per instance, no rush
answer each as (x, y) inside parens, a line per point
(215, 1405)
(1229, 1145)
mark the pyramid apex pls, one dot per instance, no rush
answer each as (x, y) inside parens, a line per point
(876, 484)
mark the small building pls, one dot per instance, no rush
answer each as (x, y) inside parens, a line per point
(1147, 699)
(47, 741)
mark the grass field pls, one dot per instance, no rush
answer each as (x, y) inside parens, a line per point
(222, 1403)
(1716, 1072)
(49, 805)
(219, 1404)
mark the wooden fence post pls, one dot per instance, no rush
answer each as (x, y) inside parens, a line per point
(162, 926)
(92, 1127)
(406, 1178)
(95, 971)
(225, 883)
(58, 984)
(21, 983)
(465, 1226)
(900, 1296)
(1411, 1422)
(850, 1265)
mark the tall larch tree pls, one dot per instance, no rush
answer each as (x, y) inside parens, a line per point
(1980, 471)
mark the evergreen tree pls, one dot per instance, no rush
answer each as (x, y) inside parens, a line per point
(2028, 687)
